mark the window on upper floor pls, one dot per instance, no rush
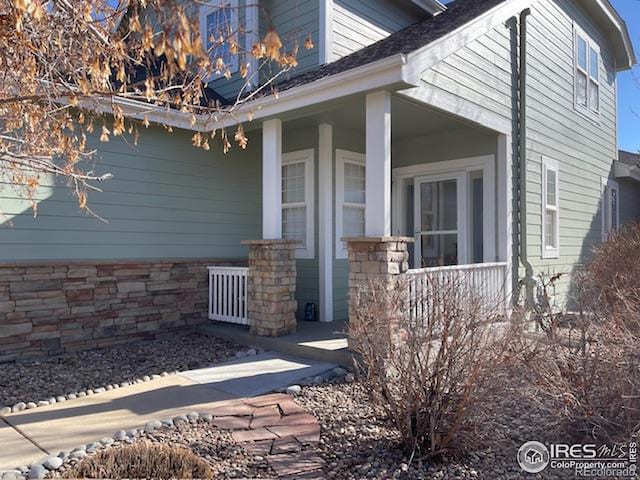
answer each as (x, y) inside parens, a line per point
(219, 24)
(297, 201)
(550, 209)
(586, 74)
(610, 221)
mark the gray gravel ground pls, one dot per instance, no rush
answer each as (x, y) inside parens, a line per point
(358, 443)
(38, 380)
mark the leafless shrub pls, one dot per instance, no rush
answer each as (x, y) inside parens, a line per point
(143, 460)
(427, 361)
(614, 271)
(589, 365)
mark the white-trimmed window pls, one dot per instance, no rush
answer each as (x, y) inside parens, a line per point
(219, 23)
(610, 207)
(550, 209)
(297, 201)
(350, 198)
(586, 74)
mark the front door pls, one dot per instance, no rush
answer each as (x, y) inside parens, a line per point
(440, 219)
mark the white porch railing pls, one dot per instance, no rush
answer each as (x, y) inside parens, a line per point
(485, 283)
(228, 294)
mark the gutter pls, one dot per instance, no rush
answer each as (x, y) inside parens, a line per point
(529, 280)
(390, 73)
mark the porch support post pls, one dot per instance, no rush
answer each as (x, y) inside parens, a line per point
(325, 220)
(505, 211)
(378, 165)
(272, 179)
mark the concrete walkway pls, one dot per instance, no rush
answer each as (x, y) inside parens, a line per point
(29, 436)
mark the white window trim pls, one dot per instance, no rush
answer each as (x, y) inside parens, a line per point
(306, 157)
(608, 185)
(206, 10)
(343, 157)
(591, 44)
(549, 251)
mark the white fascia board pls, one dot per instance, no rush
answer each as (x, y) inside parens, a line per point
(389, 73)
(621, 30)
(622, 170)
(426, 57)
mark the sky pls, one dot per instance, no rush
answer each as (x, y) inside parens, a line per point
(629, 82)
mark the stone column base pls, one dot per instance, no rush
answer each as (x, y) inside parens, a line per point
(374, 261)
(271, 287)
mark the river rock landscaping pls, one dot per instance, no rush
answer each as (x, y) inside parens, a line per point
(33, 383)
(358, 442)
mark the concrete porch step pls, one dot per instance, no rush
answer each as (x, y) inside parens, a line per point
(319, 341)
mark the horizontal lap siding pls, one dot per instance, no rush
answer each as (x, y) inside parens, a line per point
(479, 73)
(167, 199)
(358, 23)
(294, 20)
(584, 148)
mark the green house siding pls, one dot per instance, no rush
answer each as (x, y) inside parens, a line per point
(584, 148)
(167, 200)
(294, 20)
(358, 23)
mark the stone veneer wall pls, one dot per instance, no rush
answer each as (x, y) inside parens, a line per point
(48, 309)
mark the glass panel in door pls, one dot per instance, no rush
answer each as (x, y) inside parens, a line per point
(437, 235)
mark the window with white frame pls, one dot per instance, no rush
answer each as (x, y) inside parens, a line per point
(550, 209)
(587, 74)
(350, 198)
(297, 201)
(219, 24)
(610, 213)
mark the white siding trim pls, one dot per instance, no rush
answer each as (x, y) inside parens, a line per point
(504, 210)
(325, 49)
(607, 186)
(272, 179)
(307, 251)
(252, 36)
(325, 220)
(550, 251)
(342, 157)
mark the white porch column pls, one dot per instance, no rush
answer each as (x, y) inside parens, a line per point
(378, 165)
(272, 179)
(325, 220)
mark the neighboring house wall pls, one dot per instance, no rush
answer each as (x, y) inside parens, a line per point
(629, 201)
(358, 23)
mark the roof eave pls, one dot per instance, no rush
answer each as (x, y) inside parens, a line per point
(622, 170)
(389, 73)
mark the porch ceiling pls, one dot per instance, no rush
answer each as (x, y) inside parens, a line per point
(408, 118)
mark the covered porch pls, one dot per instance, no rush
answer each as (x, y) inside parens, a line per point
(386, 165)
